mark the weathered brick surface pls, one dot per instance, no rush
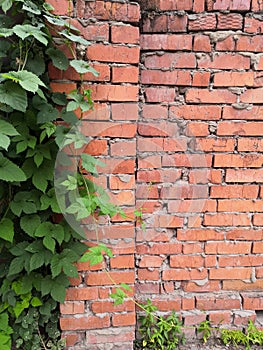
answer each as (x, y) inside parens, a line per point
(178, 122)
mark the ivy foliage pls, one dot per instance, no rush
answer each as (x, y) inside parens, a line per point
(38, 253)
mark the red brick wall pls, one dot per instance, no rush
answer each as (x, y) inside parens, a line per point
(182, 138)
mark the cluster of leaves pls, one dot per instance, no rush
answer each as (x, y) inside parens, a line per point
(250, 336)
(38, 253)
(158, 332)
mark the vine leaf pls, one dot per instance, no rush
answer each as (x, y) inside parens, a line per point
(25, 30)
(50, 233)
(13, 95)
(23, 202)
(7, 229)
(29, 223)
(82, 67)
(6, 5)
(95, 255)
(9, 171)
(90, 163)
(74, 38)
(64, 262)
(6, 129)
(58, 58)
(28, 80)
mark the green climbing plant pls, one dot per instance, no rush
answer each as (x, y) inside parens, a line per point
(38, 252)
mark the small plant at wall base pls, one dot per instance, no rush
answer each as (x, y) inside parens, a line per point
(38, 254)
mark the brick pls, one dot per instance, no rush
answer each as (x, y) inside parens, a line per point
(209, 96)
(252, 301)
(166, 42)
(93, 31)
(259, 272)
(62, 8)
(144, 191)
(157, 23)
(226, 220)
(250, 144)
(218, 318)
(97, 147)
(113, 53)
(229, 21)
(218, 302)
(177, 23)
(253, 25)
(248, 260)
(192, 206)
(196, 112)
(88, 322)
(201, 79)
(123, 148)
(254, 113)
(107, 10)
(153, 144)
(227, 44)
(257, 5)
(239, 128)
(244, 234)
(157, 94)
(168, 221)
(198, 6)
(240, 206)
(241, 5)
(188, 303)
(196, 129)
(199, 235)
(150, 162)
(202, 43)
(73, 338)
(151, 261)
(184, 191)
(101, 307)
(184, 275)
(102, 278)
(160, 248)
(122, 262)
(114, 336)
(82, 293)
(257, 248)
(202, 22)
(158, 129)
(249, 175)
(101, 111)
(258, 218)
(72, 308)
(210, 286)
(224, 61)
(114, 93)
(227, 248)
(128, 319)
(174, 144)
(164, 175)
(248, 43)
(242, 286)
(124, 34)
(124, 111)
(214, 144)
(238, 161)
(192, 248)
(188, 160)
(234, 191)
(252, 96)
(148, 275)
(147, 288)
(171, 61)
(201, 176)
(243, 317)
(193, 261)
(166, 5)
(234, 79)
(63, 87)
(154, 111)
(167, 305)
(125, 74)
(193, 317)
(155, 77)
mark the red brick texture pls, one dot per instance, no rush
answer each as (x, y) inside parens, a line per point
(178, 121)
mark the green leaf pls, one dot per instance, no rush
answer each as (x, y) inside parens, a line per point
(90, 163)
(82, 67)
(38, 68)
(48, 113)
(25, 30)
(59, 98)
(6, 5)
(5, 32)
(13, 95)
(35, 302)
(7, 229)
(16, 266)
(74, 38)
(29, 223)
(71, 183)
(79, 209)
(23, 202)
(28, 80)
(49, 243)
(58, 58)
(49, 199)
(9, 171)
(29, 6)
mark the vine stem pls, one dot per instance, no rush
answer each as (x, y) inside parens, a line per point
(41, 339)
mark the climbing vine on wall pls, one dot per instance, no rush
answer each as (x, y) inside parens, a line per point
(38, 252)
